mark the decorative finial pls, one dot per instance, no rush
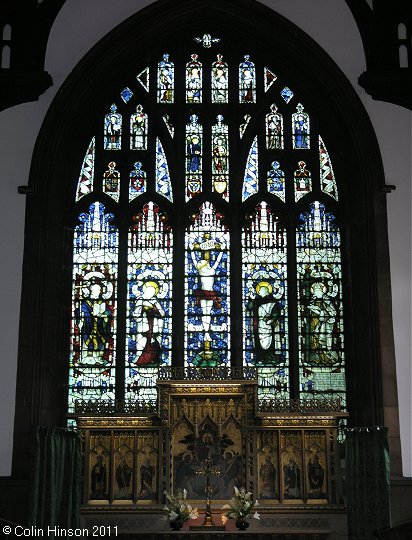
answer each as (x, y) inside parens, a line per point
(206, 40)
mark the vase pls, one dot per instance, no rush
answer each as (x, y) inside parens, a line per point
(242, 524)
(176, 524)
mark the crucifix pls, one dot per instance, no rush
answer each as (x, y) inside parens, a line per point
(208, 470)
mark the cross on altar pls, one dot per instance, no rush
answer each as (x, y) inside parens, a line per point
(207, 470)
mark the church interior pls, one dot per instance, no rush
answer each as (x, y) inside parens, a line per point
(206, 216)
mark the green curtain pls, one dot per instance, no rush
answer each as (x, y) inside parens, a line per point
(367, 481)
(54, 495)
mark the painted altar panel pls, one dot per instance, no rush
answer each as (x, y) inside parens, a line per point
(147, 466)
(207, 428)
(316, 465)
(268, 467)
(291, 466)
(123, 466)
(99, 467)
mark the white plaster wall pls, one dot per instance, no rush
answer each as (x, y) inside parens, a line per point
(79, 25)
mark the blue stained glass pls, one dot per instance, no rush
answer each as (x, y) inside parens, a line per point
(194, 80)
(247, 81)
(300, 128)
(138, 179)
(220, 158)
(165, 80)
(320, 308)
(265, 313)
(111, 182)
(274, 129)
(194, 156)
(251, 178)
(126, 94)
(287, 94)
(149, 323)
(207, 290)
(94, 306)
(163, 182)
(276, 180)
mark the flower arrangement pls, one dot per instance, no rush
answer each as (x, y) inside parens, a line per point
(240, 506)
(177, 509)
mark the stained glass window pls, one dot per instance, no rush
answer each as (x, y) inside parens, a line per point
(251, 178)
(320, 312)
(138, 129)
(194, 80)
(327, 177)
(303, 181)
(274, 129)
(86, 177)
(220, 158)
(276, 181)
(207, 289)
(265, 319)
(149, 306)
(300, 127)
(94, 307)
(220, 82)
(247, 81)
(165, 80)
(163, 182)
(137, 181)
(111, 182)
(194, 154)
(113, 129)
(289, 323)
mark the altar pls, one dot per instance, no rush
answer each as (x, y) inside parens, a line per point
(285, 452)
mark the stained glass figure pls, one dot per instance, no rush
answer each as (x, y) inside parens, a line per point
(276, 181)
(268, 78)
(287, 94)
(320, 319)
(265, 309)
(111, 182)
(93, 324)
(300, 128)
(247, 81)
(165, 80)
(170, 127)
(113, 129)
(126, 94)
(163, 182)
(327, 177)
(242, 127)
(138, 129)
(251, 178)
(194, 80)
(207, 289)
(85, 183)
(220, 158)
(303, 181)
(220, 81)
(137, 181)
(274, 129)
(149, 305)
(143, 78)
(194, 154)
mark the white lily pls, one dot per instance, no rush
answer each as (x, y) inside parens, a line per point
(184, 493)
(236, 491)
(256, 515)
(173, 515)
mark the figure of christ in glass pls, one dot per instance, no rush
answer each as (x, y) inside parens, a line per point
(93, 324)
(207, 289)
